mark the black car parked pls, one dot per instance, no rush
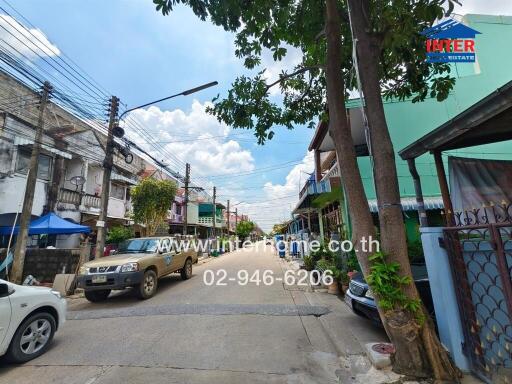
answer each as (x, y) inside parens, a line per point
(360, 298)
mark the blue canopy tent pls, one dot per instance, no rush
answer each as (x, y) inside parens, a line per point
(50, 224)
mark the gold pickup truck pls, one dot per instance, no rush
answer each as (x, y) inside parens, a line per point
(137, 263)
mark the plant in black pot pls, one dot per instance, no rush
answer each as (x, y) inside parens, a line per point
(331, 275)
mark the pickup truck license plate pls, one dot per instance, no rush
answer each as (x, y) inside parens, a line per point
(99, 279)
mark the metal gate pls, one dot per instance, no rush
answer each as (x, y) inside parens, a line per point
(481, 261)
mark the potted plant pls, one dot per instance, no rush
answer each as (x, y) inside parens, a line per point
(329, 268)
(344, 280)
(309, 263)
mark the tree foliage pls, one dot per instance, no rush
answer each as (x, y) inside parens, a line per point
(118, 234)
(323, 36)
(244, 228)
(151, 200)
(279, 229)
(278, 26)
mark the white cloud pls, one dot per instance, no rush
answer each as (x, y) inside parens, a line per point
(195, 137)
(22, 41)
(278, 200)
(294, 180)
(274, 68)
(486, 7)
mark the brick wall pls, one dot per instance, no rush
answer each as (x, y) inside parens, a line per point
(44, 264)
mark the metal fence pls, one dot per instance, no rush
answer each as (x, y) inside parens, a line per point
(481, 262)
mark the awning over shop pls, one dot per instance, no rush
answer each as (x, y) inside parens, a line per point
(410, 204)
(309, 193)
(50, 224)
(487, 121)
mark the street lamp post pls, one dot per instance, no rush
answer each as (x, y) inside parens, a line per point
(115, 130)
(184, 93)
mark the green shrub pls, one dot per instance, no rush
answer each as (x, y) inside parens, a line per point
(330, 265)
(322, 253)
(415, 251)
(387, 284)
(309, 263)
(119, 234)
(352, 262)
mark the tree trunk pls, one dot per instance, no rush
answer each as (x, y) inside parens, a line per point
(339, 130)
(418, 351)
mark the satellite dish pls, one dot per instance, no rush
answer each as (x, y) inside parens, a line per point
(77, 181)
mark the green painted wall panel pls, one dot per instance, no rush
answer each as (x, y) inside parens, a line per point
(408, 122)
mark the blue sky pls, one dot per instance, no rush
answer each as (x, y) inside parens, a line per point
(140, 55)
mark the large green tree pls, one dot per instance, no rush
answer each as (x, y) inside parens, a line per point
(151, 201)
(390, 54)
(318, 85)
(244, 229)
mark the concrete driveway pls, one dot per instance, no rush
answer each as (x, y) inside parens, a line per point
(192, 333)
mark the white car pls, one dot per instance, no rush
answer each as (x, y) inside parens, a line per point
(29, 317)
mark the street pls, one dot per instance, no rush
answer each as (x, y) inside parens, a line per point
(192, 333)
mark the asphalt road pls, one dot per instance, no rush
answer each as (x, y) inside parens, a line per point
(191, 332)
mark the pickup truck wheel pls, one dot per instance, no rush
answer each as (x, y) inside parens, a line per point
(32, 338)
(186, 271)
(148, 285)
(97, 296)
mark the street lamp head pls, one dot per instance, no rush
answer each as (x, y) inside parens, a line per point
(200, 88)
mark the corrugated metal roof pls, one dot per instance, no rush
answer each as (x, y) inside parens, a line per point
(410, 204)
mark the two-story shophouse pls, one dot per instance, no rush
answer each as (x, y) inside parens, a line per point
(70, 170)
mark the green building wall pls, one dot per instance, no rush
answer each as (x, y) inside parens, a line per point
(409, 121)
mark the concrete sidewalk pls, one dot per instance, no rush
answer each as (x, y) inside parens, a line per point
(349, 334)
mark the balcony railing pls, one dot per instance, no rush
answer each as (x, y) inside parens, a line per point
(207, 220)
(333, 172)
(77, 198)
(69, 196)
(313, 188)
(91, 201)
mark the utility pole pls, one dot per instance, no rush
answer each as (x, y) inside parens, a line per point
(185, 213)
(229, 213)
(236, 224)
(214, 212)
(28, 200)
(107, 171)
